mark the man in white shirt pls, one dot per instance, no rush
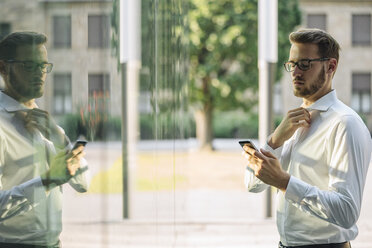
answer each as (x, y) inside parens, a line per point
(318, 156)
(36, 157)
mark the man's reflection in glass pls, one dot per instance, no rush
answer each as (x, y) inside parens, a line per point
(36, 157)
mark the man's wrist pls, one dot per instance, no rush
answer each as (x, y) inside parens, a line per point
(274, 143)
(50, 182)
(284, 182)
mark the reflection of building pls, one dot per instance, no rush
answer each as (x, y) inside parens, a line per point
(349, 22)
(84, 71)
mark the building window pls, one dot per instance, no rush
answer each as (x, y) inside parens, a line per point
(277, 99)
(361, 30)
(62, 93)
(99, 92)
(4, 30)
(62, 31)
(98, 31)
(317, 21)
(361, 92)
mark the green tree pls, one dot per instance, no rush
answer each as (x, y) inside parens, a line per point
(223, 56)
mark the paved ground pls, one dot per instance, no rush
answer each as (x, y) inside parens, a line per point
(195, 217)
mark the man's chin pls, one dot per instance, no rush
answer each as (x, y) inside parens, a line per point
(298, 93)
(36, 94)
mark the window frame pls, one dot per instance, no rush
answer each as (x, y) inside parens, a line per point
(355, 40)
(57, 32)
(360, 93)
(102, 43)
(64, 110)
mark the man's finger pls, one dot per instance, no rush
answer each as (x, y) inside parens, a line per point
(295, 110)
(77, 150)
(259, 155)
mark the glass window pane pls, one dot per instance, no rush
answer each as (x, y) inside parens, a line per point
(366, 102)
(98, 31)
(62, 31)
(62, 93)
(361, 29)
(355, 102)
(361, 81)
(4, 29)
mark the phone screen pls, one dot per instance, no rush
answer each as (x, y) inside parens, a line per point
(248, 146)
(79, 143)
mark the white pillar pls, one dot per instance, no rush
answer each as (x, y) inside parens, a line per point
(267, 57)
(130, 59)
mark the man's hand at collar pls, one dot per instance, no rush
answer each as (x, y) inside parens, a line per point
(296, 118)
(37, 119)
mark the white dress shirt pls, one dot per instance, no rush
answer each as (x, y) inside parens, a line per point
(328, 164)
(29, 214)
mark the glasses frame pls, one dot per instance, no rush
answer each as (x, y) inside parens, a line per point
(44, 67)
(302, 60)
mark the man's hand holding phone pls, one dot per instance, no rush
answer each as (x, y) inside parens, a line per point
(63, 166)
(265, 166)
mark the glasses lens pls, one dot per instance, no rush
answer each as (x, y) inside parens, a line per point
(49, 67)
(289, 66)
(29, 66)
(304, 65)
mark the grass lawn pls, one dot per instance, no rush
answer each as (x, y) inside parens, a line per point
(166, 171)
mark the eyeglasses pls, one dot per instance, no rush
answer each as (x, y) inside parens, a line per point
(32, 66)
(303, 64)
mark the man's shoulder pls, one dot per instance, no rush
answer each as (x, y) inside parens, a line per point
(342, 116)
(342, 112)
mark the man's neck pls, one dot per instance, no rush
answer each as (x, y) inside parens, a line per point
(29, 103)
(310, 100)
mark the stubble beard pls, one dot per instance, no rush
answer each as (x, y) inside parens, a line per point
(22, 91)
(313, 88)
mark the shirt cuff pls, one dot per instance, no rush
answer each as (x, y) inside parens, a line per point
(34, 190)
(296, 190)
(277, 152)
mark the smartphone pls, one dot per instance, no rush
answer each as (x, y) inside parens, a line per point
(79, 143)
(248, 145)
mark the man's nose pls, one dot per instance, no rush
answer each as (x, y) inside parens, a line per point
(296, 71)
(39, 71)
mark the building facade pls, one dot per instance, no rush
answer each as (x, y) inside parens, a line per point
(85, 75)
(349, 22)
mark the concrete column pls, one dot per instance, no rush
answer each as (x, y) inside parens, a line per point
(130, 59)
(267, 58)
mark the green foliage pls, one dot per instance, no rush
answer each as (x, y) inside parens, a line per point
(166, 126)
(223, 50)
(105, 129)
(289, 16)
(164, 71)
(115, 20)
(235, 124)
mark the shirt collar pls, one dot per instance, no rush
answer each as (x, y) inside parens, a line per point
(323, 103)
(10, 104)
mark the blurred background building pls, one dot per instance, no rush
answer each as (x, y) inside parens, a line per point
(85, 73)
(349, 22)
(84, 69)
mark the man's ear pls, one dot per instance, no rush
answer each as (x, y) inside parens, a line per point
(332, 66)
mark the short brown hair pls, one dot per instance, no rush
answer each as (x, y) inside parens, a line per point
(10, 43)
(327, 46)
